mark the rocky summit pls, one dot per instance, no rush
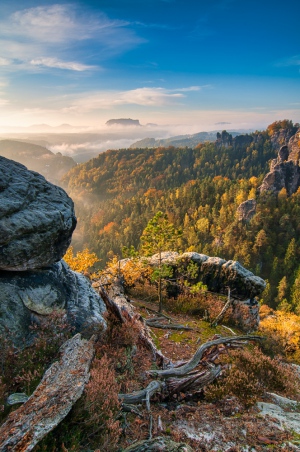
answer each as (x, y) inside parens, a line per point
(36, 219)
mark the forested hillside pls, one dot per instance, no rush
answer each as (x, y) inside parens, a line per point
(200, 190)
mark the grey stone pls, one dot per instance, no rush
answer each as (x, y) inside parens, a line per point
(246, 210)
(24, 296)
(36, 219)
(288, 421)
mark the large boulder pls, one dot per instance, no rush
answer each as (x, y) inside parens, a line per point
(25, 296)
(36, 219)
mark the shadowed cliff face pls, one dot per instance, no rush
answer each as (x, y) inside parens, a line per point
(285, 170)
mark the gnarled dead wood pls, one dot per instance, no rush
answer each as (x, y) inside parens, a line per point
(194, 361)
(62, 385)
(144, 395)
(123, 310)
(193, 382)
(167, 326)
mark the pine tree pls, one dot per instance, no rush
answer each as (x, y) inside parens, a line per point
(158, 236)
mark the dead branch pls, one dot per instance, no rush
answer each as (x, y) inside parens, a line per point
(223, 311)
(168, 326)
(193, 382)
(62, 385)
(144, 395)
(194, 361)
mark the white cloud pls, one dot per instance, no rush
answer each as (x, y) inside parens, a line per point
(46, 36)
(4, 62)
(291, 61)
(147, 97)
(55, 63)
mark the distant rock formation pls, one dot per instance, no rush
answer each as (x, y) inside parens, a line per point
(246, 210)
(36, 219)
(284, 170)
(37, 158)
(224, 139)
(123, 122)
(36, 224)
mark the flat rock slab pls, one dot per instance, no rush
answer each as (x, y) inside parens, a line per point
(24, 296)
(36, 219)
(287, 420)
(61, 386)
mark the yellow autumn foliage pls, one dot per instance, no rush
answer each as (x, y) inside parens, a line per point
(284, 327)
(82, 261)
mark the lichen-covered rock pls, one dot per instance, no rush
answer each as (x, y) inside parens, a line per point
(62, 385)
(24, 296)
(246, 210)
(36, 219)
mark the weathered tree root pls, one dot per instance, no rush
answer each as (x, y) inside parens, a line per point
(62, 385)
(144, 395)
(195, 360)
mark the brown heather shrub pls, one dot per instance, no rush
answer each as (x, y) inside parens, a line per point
(250, 374)
(203, 304)
(102, 405)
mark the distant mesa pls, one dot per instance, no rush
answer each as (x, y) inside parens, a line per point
(123, 122)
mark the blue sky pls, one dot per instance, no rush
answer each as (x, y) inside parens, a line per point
(188, 63)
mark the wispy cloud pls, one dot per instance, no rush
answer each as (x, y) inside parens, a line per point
(46, 36)
(290, 61)
(147, 97)
(4, 61)
(55, 63)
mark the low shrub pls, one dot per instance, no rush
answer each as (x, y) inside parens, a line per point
(249, 374)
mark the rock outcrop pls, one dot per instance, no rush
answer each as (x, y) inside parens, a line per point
(285, 169)
(246, 210)
(25, 296)
(36, 224)
(36, 219)
(220, 275)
